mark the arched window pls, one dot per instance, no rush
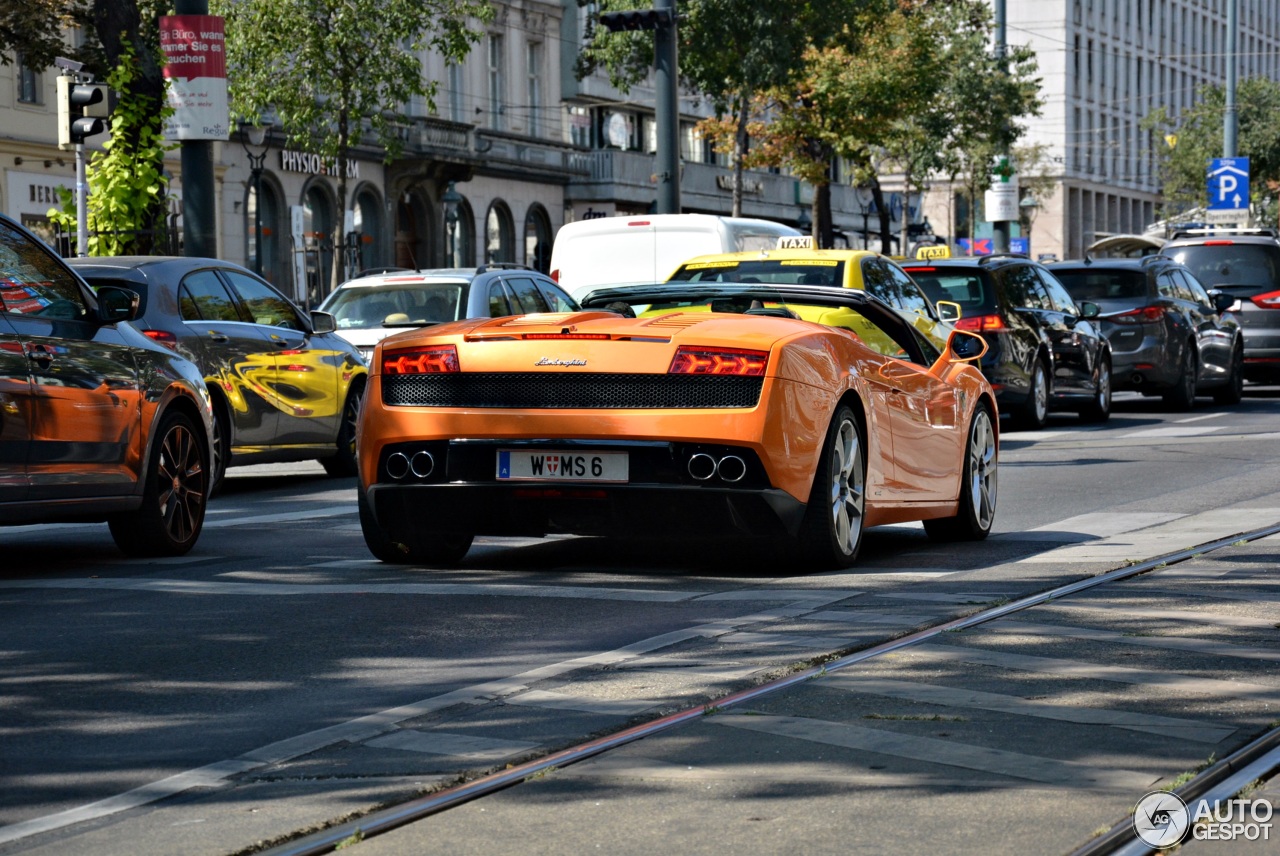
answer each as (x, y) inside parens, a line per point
(367, 215)
(318, 230)
(460, 235)
(264, 231)
(499, 234)
(537, 238)
(412, 222)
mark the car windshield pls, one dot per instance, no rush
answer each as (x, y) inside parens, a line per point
(1231, 263)
(1093, 284)
(774, 271)
(418, 303)
(970, 288)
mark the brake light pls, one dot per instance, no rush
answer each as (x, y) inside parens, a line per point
(1218, 243)
(638, 223)
(555, 275)
(1271, 300)
(442, 359)
(565, 336)
(719, 361)
(1145, 315)
(164, 337)
(981, 323)
(925, 269)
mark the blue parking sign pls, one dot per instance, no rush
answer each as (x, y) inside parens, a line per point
(1228, 184)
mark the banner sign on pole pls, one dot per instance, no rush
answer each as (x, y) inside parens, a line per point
(195, 73)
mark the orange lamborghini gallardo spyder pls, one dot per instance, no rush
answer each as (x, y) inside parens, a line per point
(695, 409)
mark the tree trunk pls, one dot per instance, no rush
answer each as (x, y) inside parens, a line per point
(904, 234)
(739, 152)
(886, 234)
(339, 227)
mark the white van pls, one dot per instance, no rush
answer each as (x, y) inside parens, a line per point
(646, 248)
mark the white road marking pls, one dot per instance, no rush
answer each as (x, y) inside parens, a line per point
(1094, 525)
(933, 750)
(1169, 537)
(1199, 418)
(467, 746)
(282, 517)
(1166, 431)
(584, 704)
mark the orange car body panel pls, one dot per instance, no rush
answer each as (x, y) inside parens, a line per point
(810, 370)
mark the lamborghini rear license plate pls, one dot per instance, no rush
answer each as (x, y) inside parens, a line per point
(544, 465)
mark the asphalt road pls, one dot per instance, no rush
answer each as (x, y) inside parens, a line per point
(279, 678)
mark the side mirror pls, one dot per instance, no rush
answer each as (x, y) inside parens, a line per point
(964, 346)
(1222, 301)
(323, 322)
(949, 310)
(1088, 310)
(117, 304)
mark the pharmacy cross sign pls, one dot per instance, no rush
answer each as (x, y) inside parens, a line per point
(1228, 184)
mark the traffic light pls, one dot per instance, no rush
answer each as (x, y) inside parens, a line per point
(79, 115)
(637, 19)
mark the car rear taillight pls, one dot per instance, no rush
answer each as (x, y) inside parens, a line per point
(1145, 315)
(555, 275)
(441, 359)
(719, 361)
(1218, 243)
(1270, 300)
(164, 337)
(981, 323)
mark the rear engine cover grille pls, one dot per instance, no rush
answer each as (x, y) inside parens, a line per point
(515, 390)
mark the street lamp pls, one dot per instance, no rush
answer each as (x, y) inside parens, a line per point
(451, 199)
(255, 136)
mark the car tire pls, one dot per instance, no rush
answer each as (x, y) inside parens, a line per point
(978, 481)
(1233, 391)
(831, 531)
(344, 463)
(174, 497)
(220, 448)
(1033, 413)
(1182, 396)
(1099, 408)
(431, 548)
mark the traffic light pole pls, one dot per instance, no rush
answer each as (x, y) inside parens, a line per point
(667, 109)
(82, 204)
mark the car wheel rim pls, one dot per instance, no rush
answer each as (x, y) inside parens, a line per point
(848, 488)
(1041, 393)
(220, 440)
(982, 470)
(181, 481)
(350, 416)
(1189, 376)
(1104, 386)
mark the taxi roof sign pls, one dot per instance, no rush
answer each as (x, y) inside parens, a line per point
(795, 242)
(938, 251)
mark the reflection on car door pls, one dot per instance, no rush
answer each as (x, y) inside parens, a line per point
(1215, 342)
(85, 402)
(235, 355)
(15, 414)
(303, 384)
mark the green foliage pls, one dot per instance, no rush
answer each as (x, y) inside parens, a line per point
(127, 181)
(1184, 145)
(35, 29)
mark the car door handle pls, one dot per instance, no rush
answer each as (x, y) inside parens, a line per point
(215, 336)
(40, 354)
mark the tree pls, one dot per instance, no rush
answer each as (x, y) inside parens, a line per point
(127, 180)
(334, 71)
(1185, 144)
(122, 39)
(729, 51)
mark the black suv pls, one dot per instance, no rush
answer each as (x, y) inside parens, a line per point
(1045, 352)
(1246, 265)
(1169, 335)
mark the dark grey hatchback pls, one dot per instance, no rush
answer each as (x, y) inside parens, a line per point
(283, 385)
(1169, 335)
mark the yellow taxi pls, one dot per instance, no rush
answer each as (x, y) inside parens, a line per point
(796, 262)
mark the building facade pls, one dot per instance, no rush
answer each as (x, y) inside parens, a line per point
(1106, 65)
